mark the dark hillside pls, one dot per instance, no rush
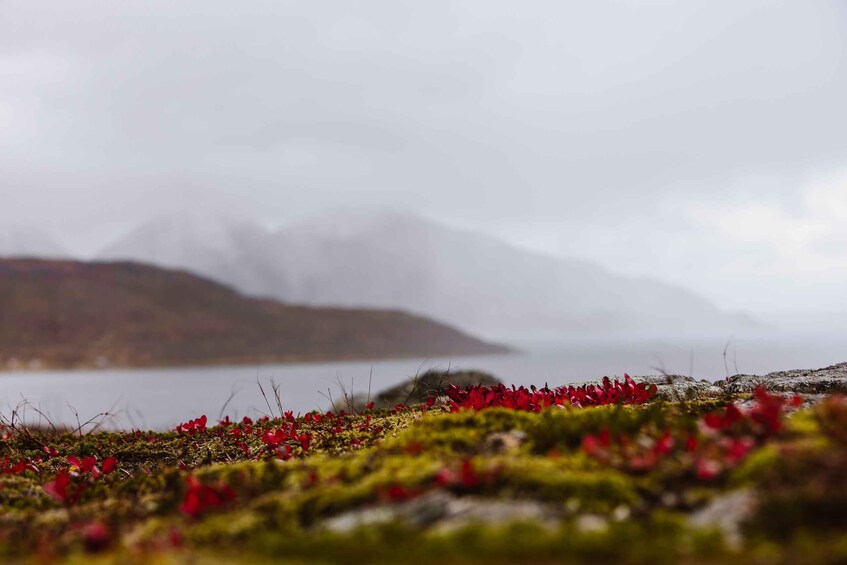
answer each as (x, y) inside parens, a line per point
(77, 314)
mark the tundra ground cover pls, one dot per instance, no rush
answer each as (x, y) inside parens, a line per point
(603, 473)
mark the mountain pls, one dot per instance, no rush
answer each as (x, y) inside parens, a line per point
(473, 281)
(76, 314)
(28, 241)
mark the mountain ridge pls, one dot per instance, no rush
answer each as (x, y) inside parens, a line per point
(473, 281)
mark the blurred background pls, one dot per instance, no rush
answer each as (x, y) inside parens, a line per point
(601, 187)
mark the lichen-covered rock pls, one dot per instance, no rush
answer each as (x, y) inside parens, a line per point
(815, 382)
(680, 387)
(828, 380)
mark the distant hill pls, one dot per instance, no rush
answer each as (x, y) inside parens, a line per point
(77, 314)
(472, 281)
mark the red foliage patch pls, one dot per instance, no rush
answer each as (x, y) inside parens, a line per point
(466, 477)
(534, 400)
(193, 426)
(726, 437)
(7, 468)
(61, 489)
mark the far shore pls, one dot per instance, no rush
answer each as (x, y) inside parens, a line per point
(36, 365)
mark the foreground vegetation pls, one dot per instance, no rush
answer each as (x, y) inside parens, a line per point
(608, 474)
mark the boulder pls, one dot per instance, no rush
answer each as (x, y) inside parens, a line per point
(417, 390)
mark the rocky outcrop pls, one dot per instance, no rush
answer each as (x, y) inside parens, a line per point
(680, 387)
(432, 383)
(803, 381)
(811, 382)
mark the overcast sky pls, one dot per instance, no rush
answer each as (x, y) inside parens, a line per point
(700, 142)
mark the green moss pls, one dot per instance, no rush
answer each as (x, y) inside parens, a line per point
(555, 481)
(227, 528)
(564, 429)
(803, 423)
(382, 459)
(458, 433)
(755, 466)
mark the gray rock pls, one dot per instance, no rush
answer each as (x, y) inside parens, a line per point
(828, 380)
(726, 513)
(462, 512)
(680, 387)
(803, 381)
(592, 523)
(420, 512)
(443, 512)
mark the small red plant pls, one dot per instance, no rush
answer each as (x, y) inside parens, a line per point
(61, 489)
(88, 466)
(466, 477)
(200, 497)
(7, 468)
(193, 426)
(398, 493)
(110, 464)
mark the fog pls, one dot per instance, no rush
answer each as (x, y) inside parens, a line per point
(696, 145)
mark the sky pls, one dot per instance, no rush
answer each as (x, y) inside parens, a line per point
(701, 143)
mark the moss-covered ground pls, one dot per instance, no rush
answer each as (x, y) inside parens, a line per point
(419, 484)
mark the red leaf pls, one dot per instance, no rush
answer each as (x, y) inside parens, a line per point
(707, 469)
(691, 444)
(96, 536)
(110, 464)
(665, 444)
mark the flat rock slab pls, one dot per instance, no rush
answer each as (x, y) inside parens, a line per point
(444, 512)
(828, 380)
(824, 381)
(680, 387)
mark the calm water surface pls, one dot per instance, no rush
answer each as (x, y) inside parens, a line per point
(162, 398)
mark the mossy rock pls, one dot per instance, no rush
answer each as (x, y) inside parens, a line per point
(417, 389)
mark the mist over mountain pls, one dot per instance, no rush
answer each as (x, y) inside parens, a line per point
(391, 260)
(17, 240)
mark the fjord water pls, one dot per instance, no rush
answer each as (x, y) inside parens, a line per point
(161, 398)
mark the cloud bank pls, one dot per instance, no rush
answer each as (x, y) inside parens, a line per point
(701, 143)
